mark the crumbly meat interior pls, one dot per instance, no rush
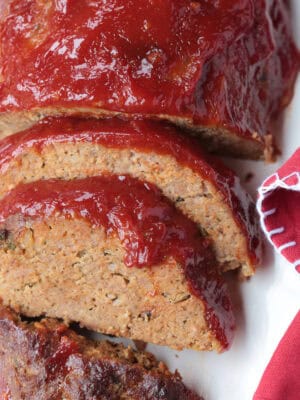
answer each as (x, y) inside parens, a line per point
(68, 269)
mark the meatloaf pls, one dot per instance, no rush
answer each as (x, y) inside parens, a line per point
(112, 253)
(200, 186)
(222, 69)
(46, 360)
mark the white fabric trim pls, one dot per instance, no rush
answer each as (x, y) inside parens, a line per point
(296, 263)
(286, 246)
(276, 231)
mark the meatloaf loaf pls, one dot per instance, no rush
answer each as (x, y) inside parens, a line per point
(200, 186)
(114, 254)
(46, 360)
(222, 69)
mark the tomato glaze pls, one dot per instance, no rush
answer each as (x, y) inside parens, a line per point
(225, 63)
(148, 225)
(146, 136)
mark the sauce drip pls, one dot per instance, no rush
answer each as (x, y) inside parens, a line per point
(149, 227)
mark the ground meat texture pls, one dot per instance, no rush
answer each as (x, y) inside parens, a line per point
(45, 360)
(74, 252)
(200, 186)
(221, 69)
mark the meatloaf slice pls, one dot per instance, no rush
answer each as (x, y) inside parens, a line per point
(200, 186)
(222, 69)
(46, 360)
(114, 254)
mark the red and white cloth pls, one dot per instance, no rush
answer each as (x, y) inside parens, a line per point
(279, 209)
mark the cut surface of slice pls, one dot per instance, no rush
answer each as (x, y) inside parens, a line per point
(115, 255)
(222, 69)
(201, 187)
(46, 360)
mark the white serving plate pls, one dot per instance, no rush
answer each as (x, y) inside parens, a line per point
(265, 305)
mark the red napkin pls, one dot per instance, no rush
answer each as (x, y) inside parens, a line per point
(281, 380)
(279, 208)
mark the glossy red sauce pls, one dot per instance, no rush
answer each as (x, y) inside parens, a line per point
(148, 225)
(218, 63)
(57, 363)
(147, 136)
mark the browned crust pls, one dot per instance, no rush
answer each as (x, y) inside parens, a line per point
(45, 359)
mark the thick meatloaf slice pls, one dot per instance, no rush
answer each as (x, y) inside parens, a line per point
(114, 254)
(200, 186)
(46, 360)
(221, 69)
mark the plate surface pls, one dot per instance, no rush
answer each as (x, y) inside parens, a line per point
(265, 305)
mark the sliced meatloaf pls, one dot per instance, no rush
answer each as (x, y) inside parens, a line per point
(115, 255)
(222, 69)
(200, 186)
(46, 360)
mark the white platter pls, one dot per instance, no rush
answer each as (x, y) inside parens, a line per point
(265, 305)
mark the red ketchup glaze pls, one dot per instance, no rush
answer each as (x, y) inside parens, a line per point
(147, 136)
(150, 228)
(58, 362)
(219, 63)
